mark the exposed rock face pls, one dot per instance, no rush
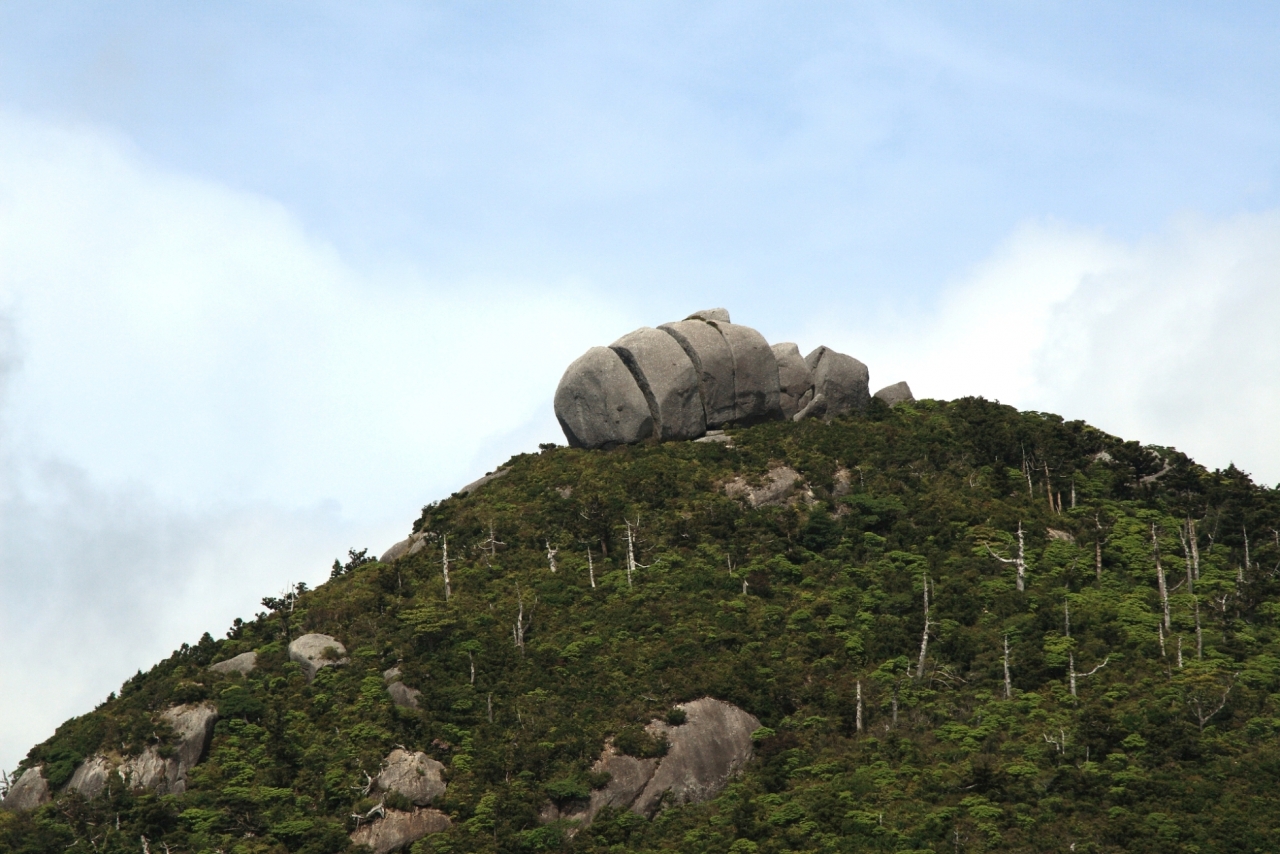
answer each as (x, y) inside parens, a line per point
(755, 374)
(245, 662)
(707, 751)
(668, 380)
(713, 360)
(192, 724)
(704, 372)
(599, 404)
(410, 545)
(795, 380)
(479, 482)
(780, 487)
(29, 792)
(841, 379)
(397, 829)
(896, 393)
(310, 652)
(414, 775)
(403, 695)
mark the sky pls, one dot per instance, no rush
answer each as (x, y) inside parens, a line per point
(274, 275)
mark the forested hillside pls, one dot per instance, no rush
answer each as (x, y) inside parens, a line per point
(962, 628)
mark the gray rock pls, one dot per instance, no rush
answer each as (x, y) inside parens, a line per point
(841, 379)
(668, 380)
(780, 487)
(397, 829)
(310, 652)
(147, 770)
(403, 695)
(479, 482)
(896, 393)
(713, 360)
(391, 674)
(842, 482)
(192, 725)
(415, 543)
(815, 408)
(245, 662)
(795, 380)
(755, 374)
(707, 751)
(599, 404)
(717, 436)
(718, 315)
(29, 792)
(91, 776)
(627, 778)
(415, 775)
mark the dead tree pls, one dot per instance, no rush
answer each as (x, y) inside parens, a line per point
(924, 637)
(1020, 561)
(1098, 539)
(518, 630)
(444, 565)
(858, 718)
(1071, 659)
(1008, 683)
(1202, 717)
(591, 568)
(1164, 588)
(1247, 568)
(490, 546)
(551, 557)
(633, 531)
(1191, 555)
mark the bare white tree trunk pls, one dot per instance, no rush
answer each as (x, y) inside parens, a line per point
(471, 659)
(1048, 487)
(444, 566)
(1160, 627)
(1191, 553)
(1008, 683)
(517, 631)
(858, 718)
(489, 707)
(591, 568)
(1020, 561)
(1072, 659)
(1026, 470)
(1179, 652)
(924, 637)
(1073, 492)
(551, 557)
(1164, 588)
(1240, 576)
(632, 531)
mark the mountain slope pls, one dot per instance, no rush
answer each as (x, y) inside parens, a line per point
(800, 600)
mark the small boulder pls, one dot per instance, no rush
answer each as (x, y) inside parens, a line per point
(718, 315)
(397, 829)
(29, 792)
(795, 380)
(414, 775)
(841, 379)
(780, 487)
(315, 651)
(599, 404)
(755, 374)
(707, 751)
(667, 378)
(895, 394)
(403, 695)
(245, 662)
(713, 360)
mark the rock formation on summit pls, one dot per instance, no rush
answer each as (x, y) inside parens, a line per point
(703, 373)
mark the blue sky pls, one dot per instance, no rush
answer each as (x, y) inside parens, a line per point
(274, 275)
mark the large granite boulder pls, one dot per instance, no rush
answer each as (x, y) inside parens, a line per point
(415, 775)
(92, 776)
(710, 315)
(795, 380)
(396, 829)
(755, 374)
(30, 791)
(315, 651)
(410, 545)
(895, 394)
(599, 404)
(704, 753)
(840, 379)
(192, 726)
(245, 662)
(713, 360)
(668, 380)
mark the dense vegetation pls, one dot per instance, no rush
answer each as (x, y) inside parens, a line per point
(809, 614)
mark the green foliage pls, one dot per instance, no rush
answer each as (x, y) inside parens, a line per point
(808, 614)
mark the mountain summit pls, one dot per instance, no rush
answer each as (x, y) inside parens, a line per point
(941, 626)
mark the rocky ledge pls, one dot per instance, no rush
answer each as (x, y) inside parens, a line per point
(682, 379)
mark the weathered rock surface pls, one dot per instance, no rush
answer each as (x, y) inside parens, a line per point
(781, 486)
(29, 792)
(896, 393)
(91, 776)
(795, 380)
(403, 695)
(415, 775)
(245, 662)
(815, 408)
(707, 751)
(841, 379)
(192, 725)
(668, 381)
(479, 482)
(599, 404)
(396, 829)
(719, 315)
(755, 374)
(315, 651)
(713, 360)
(415, 543)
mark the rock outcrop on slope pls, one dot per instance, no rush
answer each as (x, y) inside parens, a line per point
(245, 662)
(396, 829)
(30, 791)
(315, 651)
(704, 753)
(413, 774)
(703, 373)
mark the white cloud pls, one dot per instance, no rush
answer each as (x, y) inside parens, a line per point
(1169, 340)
